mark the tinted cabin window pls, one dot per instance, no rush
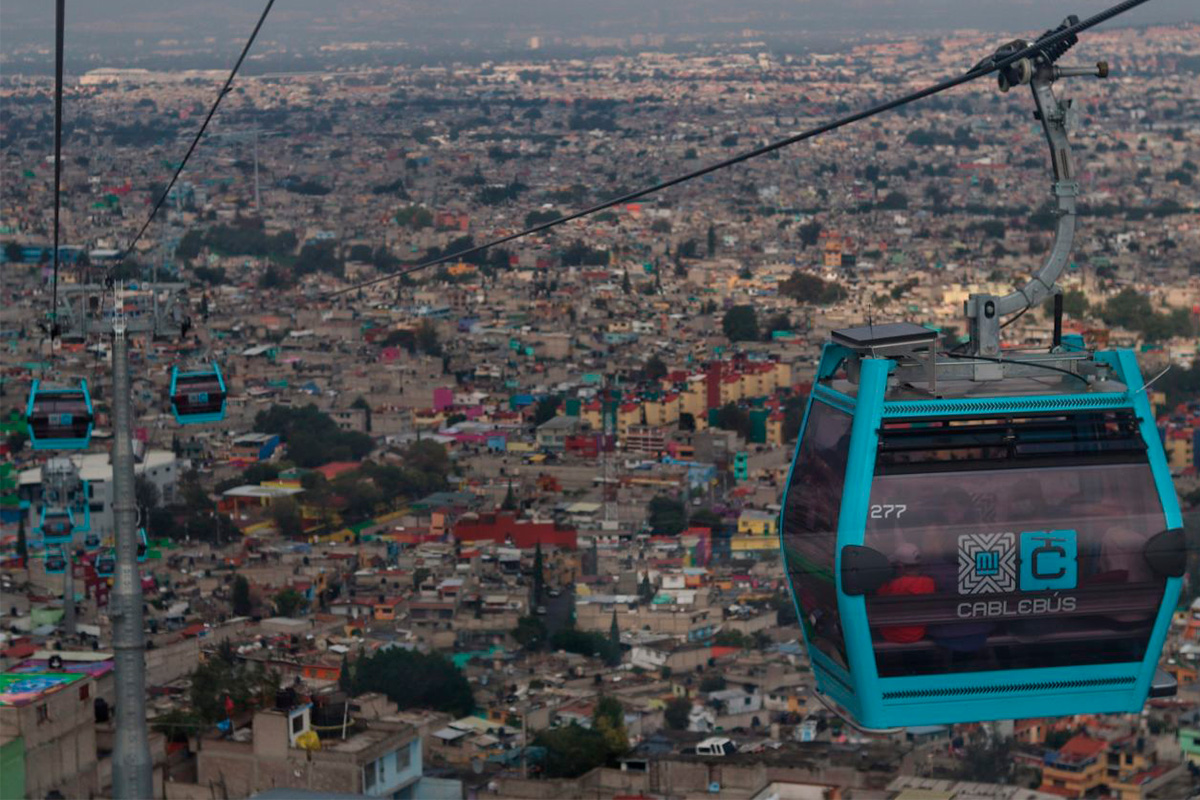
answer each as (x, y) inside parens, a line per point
(1025, 551)
(810, 520)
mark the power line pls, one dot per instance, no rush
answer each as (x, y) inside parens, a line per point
(213, 110)
(60, 24)
(1054, 42)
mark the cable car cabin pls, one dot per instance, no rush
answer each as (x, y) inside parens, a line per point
(198, 397)
(969, 540)
(106, 565)
(56, 561)
(59, 419)
(56, 526)
(91, 541)
(143, 546)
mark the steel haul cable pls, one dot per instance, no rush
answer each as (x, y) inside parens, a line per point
(1043, 44)
(59, 27)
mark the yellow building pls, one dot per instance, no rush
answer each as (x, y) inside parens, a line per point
(758, 523)
(1079, 767)
(628, 414)
(731, 389)
(663, 411)
(1180, 448)
(694, 401)
(775, 429)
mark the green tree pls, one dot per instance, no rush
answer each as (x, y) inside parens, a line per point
(713, 683)
(677, 712)
(585, 643)
(1075, 305)
(810, 233)
(241, 597)
(146, 494)
(626, 286)
(646, 590)
(361, 402)
(805, 288)
(14, 253)
(573, 750)
(221, 677)
(614, 640)
(429, 680)
(740, 324)
(609, 720)
(419, 576)
(706, 518)
(712, 241)
(530, 633)
(22, 541)
(289, 602)
(539, 574)
(778, 322)
(546, 410)
(732, 417)
(427, 339)
(286, 516)
(15, 442)
(667, 517)
(655, 369)
(510, 499)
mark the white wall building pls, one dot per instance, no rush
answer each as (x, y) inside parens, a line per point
(160, 467)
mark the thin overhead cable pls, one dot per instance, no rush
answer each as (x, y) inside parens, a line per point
(59, 26)
(984, 68)
(200, 133)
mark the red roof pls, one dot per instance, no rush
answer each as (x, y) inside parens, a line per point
(192, 630)
(19, 650)
(336, 468)
(1081, 746)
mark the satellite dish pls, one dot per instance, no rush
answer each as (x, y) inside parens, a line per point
(477, 766)
(56, 662)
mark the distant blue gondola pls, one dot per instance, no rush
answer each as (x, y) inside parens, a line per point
(56, 526)
(91, 542)
(59, 419)
(81, 509)
(106, 564)
(143, 546)
(56, 561)
(198, 397)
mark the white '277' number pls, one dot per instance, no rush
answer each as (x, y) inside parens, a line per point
(887, 511)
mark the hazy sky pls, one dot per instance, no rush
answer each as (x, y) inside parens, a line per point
(112, 27)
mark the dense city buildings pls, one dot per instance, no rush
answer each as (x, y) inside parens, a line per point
(510, 526)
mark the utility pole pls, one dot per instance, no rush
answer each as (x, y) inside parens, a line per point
(131, 751)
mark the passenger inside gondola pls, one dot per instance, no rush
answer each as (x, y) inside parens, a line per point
(1048, 578)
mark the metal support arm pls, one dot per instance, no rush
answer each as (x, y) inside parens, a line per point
(984, 311)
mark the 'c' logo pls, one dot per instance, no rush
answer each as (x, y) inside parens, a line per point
(1048, 560)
